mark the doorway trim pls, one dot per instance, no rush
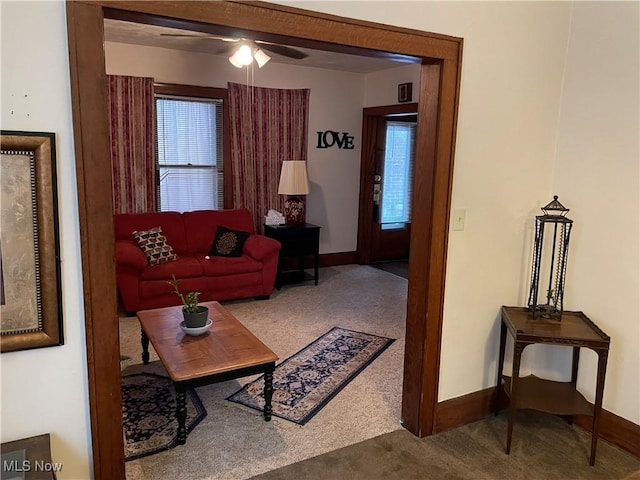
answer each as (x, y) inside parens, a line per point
(439, 94)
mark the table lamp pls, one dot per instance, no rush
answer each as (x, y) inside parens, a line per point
(295, 184)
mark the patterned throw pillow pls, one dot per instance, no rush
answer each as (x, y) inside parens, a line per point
(228, 243)
(154, 245)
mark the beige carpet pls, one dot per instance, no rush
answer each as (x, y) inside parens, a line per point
(233, 442)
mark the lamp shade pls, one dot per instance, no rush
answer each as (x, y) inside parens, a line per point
(261, 58)
(293, 178)
(242, 56)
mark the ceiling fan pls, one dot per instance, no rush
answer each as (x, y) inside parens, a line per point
(247, 50)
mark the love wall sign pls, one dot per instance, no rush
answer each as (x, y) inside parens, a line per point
(329, 138)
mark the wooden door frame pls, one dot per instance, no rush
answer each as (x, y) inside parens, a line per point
(439, 92)
(367, 169)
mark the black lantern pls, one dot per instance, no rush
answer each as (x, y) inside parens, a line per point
(550, 254)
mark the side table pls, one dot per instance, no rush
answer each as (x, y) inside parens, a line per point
(29, 459)
(297, 241)
(561, 398)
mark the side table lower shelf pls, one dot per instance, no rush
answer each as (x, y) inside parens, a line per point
(559, 398)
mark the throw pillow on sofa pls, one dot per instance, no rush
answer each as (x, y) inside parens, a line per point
(155, 246)
(228, 243)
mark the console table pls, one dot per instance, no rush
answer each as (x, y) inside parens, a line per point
(297, 241)
(561, 398)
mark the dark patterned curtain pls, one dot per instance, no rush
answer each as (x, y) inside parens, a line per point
(132, 124)
(268, 126)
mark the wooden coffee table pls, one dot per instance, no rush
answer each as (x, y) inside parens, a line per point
(227, 351)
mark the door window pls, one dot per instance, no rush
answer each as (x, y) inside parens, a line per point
(397, 179)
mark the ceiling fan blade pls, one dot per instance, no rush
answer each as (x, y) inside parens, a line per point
(193, 35)
(268, 46)
(224, 50)
(282, 50)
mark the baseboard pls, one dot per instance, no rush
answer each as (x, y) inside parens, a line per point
(468, 408)
(340, 258)
(614, 429)
(326, 260)
(477, 405)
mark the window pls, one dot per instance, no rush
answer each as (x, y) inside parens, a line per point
(189, 152)
(397, 179)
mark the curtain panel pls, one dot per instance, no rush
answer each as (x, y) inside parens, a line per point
(268, 126)
(132, 132)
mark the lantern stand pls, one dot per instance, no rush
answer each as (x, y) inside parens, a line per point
(554, 214)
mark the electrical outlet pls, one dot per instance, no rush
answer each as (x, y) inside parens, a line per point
(459, 215)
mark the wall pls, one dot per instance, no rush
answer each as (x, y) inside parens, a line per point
(381, 88)
(509, 109)
(513, 60)
(597, 173)
(335, 104)
(45, 390)
(507, 167)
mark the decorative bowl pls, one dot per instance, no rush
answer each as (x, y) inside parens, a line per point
(198, 330)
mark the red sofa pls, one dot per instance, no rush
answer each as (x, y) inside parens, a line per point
(191, 234)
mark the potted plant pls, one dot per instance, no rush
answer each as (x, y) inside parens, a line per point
(195, 315)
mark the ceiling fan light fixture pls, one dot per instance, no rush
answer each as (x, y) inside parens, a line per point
(241, 57)
(261, 57)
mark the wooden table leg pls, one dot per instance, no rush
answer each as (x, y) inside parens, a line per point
(574, 376)
(181, 413)
(144, 340)
(597, 406)
(268, 392)
(503, 341)
(518, 347)
(316, 262)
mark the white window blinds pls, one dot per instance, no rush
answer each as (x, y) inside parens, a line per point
(189, 153)
(398, 173)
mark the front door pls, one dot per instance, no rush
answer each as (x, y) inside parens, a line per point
(386, 183)
(392, 182)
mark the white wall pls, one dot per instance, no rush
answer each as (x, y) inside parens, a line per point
(381, 88)
(45, 390)
(335, 103)
(506, 168)
(513, 60)
(598, 176)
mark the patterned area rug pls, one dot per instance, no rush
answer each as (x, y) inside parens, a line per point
(149, 414)
(306, 381)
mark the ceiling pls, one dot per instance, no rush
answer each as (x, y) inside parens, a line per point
(150, 35)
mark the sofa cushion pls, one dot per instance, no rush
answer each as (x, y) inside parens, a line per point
(228, 243)
(155, 246)
(186, 266)
(222, 266)
(201, 226)
(171, 222)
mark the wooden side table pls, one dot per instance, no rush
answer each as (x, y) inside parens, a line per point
(561, 398)
(29, 459)
(297, 241)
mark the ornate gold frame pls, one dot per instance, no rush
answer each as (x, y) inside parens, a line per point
(31, 316)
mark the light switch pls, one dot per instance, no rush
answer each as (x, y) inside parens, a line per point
(459, 215)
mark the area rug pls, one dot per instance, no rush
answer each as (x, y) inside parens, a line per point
(149, 414)
(309, 379)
